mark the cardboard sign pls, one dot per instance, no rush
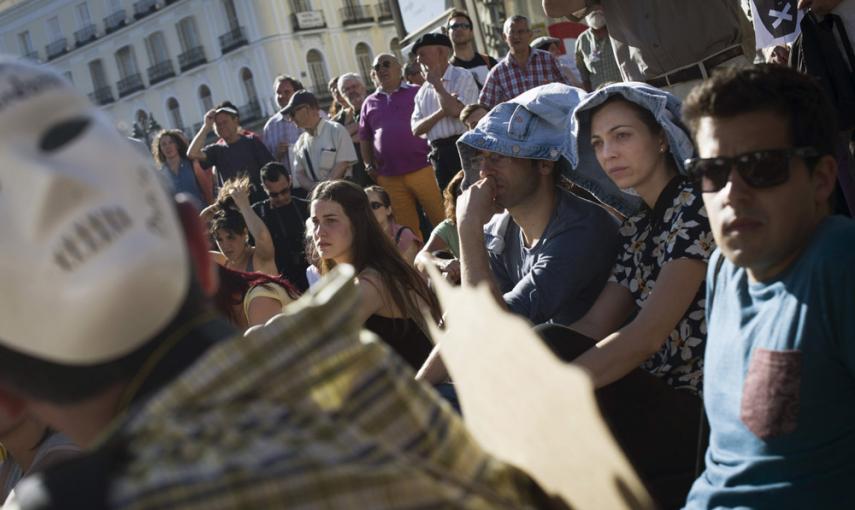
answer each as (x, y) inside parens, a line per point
(528, 408)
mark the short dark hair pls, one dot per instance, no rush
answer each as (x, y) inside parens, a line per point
(767, 87)
(458, 14)
(228, 219)
(273, 171)
(228, 104)
(295, 83)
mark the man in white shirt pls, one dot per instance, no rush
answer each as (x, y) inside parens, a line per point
(324, 151)
(447, 89)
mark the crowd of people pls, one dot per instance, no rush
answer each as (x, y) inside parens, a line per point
(244, 319)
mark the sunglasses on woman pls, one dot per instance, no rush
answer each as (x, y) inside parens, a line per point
(759, 169)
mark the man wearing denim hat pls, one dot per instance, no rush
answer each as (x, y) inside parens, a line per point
(549, 254)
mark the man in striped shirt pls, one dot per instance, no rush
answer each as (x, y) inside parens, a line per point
(522, 69)
(447, 89)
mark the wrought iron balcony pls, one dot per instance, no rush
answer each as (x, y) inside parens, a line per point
(130, 84)
(308, 20)
(85, 35)
(232, 39)
(191, 58)
(161, 71)
(115, 21)
(102, 96)
(143, 8)
(250, 112)
(56, 48)
(383, 10)
(353, 14)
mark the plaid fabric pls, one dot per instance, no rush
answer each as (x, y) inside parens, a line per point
(507, 79)
(307, 413)
(595, 59)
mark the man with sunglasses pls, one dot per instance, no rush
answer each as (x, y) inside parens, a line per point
(780, 358)
(460, 30)
(394, 157)
(285, 217)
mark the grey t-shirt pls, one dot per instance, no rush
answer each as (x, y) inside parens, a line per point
(557, 279)
(654, 37)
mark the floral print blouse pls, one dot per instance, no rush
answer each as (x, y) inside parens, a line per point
(677, 227)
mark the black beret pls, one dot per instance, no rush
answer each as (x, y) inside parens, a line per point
(431, 39)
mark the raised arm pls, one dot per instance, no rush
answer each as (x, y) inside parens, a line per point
(626, 349)
(263, 241)
(195, 149)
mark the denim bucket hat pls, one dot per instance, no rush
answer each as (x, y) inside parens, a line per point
(588, 173)
(533, 125)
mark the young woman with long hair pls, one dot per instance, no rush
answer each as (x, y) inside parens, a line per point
(393, 294)
(405, 239)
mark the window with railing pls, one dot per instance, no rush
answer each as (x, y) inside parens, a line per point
(175, 113)
(318, 74)
(363, 60)
(143, 8)
(101, 92)
(130, 79)
(354, 12)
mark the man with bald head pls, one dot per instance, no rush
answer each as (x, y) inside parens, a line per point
(394, 157)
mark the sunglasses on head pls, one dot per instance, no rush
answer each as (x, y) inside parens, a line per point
(759, 169)
(454, 26)
(386, 63)
(377, 205)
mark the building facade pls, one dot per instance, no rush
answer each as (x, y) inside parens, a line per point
(173, 60)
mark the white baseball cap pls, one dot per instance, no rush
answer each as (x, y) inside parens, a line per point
(93, 260)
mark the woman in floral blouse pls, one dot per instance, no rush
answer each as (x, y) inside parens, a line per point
(646, 330)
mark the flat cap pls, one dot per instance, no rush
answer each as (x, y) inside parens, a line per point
(431, 39)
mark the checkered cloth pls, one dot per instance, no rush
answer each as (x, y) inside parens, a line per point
(507, 79)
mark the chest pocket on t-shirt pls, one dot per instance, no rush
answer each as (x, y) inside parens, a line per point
(770, 393)
(327, 159)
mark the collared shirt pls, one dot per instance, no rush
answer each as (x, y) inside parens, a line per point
(456, 81)
(507, 79)
(595, 59)
(279, 129)
(654, 37)
(385, 121)
(327, 147)
(307, 412)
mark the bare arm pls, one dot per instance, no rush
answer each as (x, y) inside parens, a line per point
(624, 350)
(559, 8)
(424, 125)
(474, 210)
(450, 268)
(263, 241)
(608, 313)
(195, 149)
(366, 148)
(262, 309)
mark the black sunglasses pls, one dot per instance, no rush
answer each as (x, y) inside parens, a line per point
(274, 194)
(454, 26)
(386, 63)
(377, 205)
(759, 169)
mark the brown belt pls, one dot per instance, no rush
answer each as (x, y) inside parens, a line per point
(698, 71)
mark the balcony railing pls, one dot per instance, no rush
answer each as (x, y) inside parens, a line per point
(56, 48)
(232, 39)
(115, 21)
(191, 58)
(352, 14)
(308, 20)
(130, 84)
(143, 8)
(161, 71)
(85, 35)
(102, 96)
(383, 10)
(250, 112)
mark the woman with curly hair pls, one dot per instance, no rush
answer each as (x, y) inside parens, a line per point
(393, 294)
(169, 149)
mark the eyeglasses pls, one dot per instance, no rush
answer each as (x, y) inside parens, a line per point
(759, 169)
(455, 26)
(274, 194)
(386, 64)
(377, 205)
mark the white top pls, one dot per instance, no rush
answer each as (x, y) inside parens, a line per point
(457, 81)
(329, 146)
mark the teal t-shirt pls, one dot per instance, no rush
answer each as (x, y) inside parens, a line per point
(447, 231)
(780, 381)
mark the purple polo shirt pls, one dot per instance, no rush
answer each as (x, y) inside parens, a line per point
(385, 120)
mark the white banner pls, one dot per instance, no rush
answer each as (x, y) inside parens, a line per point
(775, 21)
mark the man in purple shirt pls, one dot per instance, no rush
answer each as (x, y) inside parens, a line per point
(393, 157)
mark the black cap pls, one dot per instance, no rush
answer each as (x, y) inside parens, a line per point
(431, 39)
(300, 98)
